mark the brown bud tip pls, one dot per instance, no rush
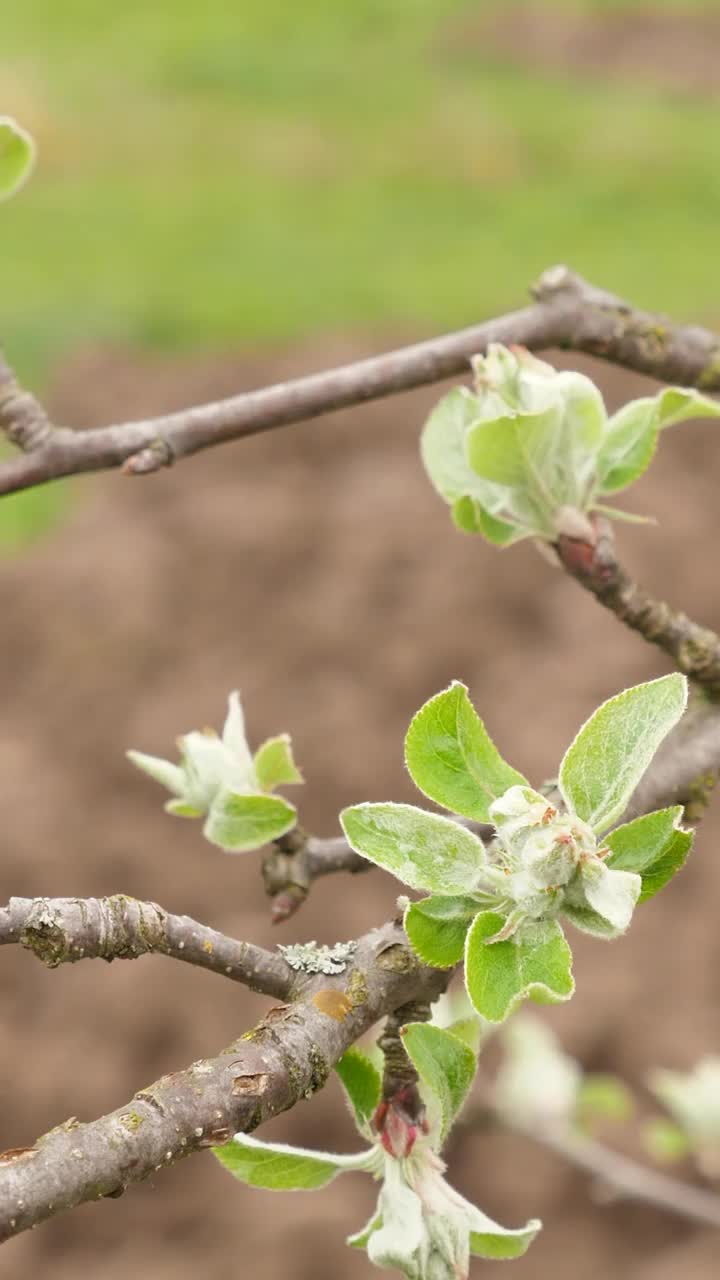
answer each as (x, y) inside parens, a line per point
(156, 455)
(284, 905)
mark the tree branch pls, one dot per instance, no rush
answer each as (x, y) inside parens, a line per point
(694, 649)
(64, 930)
(288, 1056)
(296, 859)
(567, 312)
(626, 1178)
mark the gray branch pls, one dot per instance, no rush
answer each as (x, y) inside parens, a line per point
(695, 650)
(64, 930)
(288, 1056)
(630, 1180)
(618, 1175)
(567, 312)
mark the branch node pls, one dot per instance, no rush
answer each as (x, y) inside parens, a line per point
(694, 649)
(22, 417)
(154, 457)
(560, 282)
(286, 875)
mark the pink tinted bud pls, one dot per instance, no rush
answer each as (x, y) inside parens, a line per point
(397, 1129)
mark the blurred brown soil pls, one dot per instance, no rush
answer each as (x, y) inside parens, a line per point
(315, 569)
(674, 51)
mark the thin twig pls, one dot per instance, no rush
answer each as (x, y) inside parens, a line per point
(629, 1179)
(617, 1173)
(295, 860)
(567, 312)
(694, 649)
(287, 1057)
(64, 930)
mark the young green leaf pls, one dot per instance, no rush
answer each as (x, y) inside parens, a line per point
(274, 763)
(610, 892)
(277, 1167)
(653, 845)
(17, 156)
(163, 771)
(470, 1030)
(445, 1065)
(181, 809)
(424, 850)
(512, 450)
(628, 447)
(489, 1240)
(602, 767)
(631, 434)
(451, 757)
(238, 823)
(362, 1084)
(498, 975)
(442, 446)
(437, 926)
(666, 1141)
(471, 516)
(588, 921)
(602, 1096)
(360, 1239)
(676, 404)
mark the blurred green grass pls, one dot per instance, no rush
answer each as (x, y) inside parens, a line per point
(213, 174)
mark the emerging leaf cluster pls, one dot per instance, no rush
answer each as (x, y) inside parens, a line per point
(218, 778)
(421, 1225)
(531, 452)
(539, 1086)
(693, 1100)
(499, 907)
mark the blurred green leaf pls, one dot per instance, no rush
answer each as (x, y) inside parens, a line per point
(17, 155)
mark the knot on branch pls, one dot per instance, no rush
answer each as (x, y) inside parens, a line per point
(286, 874)
(560, 283)
(158, 454)
(22, 417)
(68, 929)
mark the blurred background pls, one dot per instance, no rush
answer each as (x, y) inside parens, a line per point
(228, 195)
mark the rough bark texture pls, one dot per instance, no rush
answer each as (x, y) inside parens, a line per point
(288, 1056)
(65, 930)
(334, 590)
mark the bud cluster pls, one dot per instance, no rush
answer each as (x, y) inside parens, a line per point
(551, 862)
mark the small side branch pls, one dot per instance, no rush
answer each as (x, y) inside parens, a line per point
(288, 1056)
(567, 312)
(617, 1175)
(295, 860)
(64, 930)
(694, 649)
(22, 417)
(627, 1179)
